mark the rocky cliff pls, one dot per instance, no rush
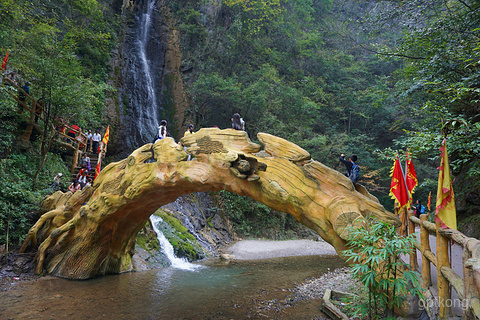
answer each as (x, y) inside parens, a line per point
(145, 77)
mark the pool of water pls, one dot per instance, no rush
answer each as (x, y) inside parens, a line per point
(254, 289)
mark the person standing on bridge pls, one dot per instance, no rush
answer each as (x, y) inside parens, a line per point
(419, 209)
(187, 133)
(237, 122)
(353, 170)
(162, 130)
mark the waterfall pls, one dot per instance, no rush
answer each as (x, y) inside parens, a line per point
(143, 38)
(142, 97)
(167, 248)
(186, 222)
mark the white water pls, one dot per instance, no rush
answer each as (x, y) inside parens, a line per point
(167, 248)
(150, 109)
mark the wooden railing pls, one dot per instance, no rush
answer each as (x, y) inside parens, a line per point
(466, 288)
(77, 143)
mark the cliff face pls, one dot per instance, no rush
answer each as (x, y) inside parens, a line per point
(145, 76)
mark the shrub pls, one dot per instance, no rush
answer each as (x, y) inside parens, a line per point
(375, 253)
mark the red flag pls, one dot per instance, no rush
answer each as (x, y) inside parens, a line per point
(97, 169)
(398, 190)
(411, 176)
(445, 212)
(4, 62)
(429, 201)
(106, 136)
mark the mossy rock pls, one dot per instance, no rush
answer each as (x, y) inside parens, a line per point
(147, 239)
(183, 242)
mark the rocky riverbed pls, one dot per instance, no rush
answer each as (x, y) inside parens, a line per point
(16, 268)
(311, 291)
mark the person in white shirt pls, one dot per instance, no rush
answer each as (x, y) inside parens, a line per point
(95, 141)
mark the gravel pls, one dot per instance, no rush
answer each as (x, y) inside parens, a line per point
(265, 249)
(339, 280)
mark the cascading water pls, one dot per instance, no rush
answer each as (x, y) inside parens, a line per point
(145, 25)
(142, 97)
(187, 223)
(167, 248)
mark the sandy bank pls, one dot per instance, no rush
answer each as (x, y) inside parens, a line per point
(264, 249)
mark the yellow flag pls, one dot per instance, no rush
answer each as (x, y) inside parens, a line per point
(106, 137)
(445, 212)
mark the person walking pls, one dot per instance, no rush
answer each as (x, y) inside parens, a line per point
(86, 162)
(39, 108)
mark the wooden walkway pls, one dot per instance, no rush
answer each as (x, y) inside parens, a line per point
(37, 111)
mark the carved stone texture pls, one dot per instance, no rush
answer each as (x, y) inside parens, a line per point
(84, 241)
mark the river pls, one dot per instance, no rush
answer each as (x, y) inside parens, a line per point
(237, 289)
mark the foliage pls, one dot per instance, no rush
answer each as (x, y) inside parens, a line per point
(438, 85)
(254, 219)
(375, 256)
(19, 201)
(298, 76)
(63, 49)
(147, 239)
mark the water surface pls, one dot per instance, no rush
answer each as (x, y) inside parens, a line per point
(253, 289)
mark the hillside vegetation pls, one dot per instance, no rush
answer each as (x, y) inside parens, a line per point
(366, 77)
(375, 78)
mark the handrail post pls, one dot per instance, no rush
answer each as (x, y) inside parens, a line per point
(411, 230)
(75, 154)
(469, 284)
(443, 286)
(425, 242)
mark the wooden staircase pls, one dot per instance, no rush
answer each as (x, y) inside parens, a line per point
(93, 164)
(70, 143)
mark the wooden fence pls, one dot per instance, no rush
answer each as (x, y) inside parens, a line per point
(37, 111)
(466, 288)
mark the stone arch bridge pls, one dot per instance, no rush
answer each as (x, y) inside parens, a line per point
(92, 232)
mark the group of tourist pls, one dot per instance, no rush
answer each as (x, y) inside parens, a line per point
(92, 140)
(83, 179)
(237, 123)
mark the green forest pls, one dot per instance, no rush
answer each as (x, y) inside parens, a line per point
(373, 78)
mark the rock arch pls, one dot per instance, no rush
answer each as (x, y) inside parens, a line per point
(92, 232)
